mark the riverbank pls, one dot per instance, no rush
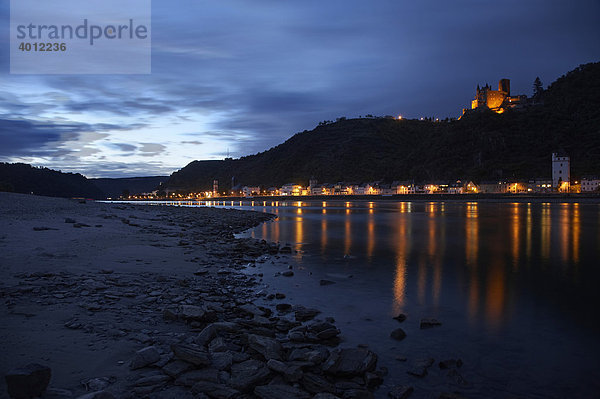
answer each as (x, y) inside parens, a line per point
(142, 301)
(519, 198)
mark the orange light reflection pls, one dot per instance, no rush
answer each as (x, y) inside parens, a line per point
(546, 231)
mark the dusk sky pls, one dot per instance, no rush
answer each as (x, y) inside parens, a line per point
(247, 75)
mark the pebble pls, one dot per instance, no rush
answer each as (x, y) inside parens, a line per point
(401, 317)
(398, 334)
(144, 357)
(429, 323)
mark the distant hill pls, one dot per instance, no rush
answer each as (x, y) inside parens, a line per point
(23, 178)
(113, 188)
(481, 145)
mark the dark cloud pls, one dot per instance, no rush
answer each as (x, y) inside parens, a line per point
(23, 137)
(29, 138)
(121, 106)
(114, 168)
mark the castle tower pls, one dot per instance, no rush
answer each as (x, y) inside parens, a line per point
(561, 172)
(504, 85)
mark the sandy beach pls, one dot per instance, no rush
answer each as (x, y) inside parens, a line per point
(128, 301)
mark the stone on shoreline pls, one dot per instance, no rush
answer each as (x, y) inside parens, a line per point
(454, 375)
(283, 307)
(401, 317)
(144, 357)
(189, 378)
(429, 323)
(290, 372)
(252, 309)
(448, 395)
(357, 393)
(210, 331)
(153, 380)
(373, 380)
(398, 334)
(169, 314)
(323, 330)
(27, 382)
(190, 312)
(214, 390)
(400, 392)
(450, 363)
(305, 314)
(222, 360)
(97, 395)
(325, 395)
(217, 345)
(98, 384)
(420, 367)
(279, 391)
(317, 384)
(176, 367)
(267, 347)
(326, 282)
(246, 375)
(193, 354)
(350, 362)
(315, 332)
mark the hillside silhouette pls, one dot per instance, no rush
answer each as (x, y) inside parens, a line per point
(481, 145)
(114, 187)
(26, 179)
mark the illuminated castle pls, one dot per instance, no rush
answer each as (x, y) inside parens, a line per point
(497, 100)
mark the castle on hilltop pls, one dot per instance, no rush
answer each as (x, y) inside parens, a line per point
(497, 100)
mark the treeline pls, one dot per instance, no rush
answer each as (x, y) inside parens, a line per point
(26, 179)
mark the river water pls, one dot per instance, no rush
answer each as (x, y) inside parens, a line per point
(515, 286)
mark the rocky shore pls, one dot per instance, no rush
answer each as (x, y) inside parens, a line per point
(132, 301)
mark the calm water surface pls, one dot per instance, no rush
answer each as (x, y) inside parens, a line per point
(514, 284)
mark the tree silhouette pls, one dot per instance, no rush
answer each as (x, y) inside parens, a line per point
(538, 89)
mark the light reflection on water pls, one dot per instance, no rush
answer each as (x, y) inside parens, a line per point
(520, 234)
(509, 240)
(516, 284)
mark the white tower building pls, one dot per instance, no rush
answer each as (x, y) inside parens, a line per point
(561, 172)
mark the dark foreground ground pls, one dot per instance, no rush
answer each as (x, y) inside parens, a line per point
(128, 301)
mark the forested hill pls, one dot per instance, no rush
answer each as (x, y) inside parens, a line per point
(23, 178)
(113, 188)
(479, 146)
